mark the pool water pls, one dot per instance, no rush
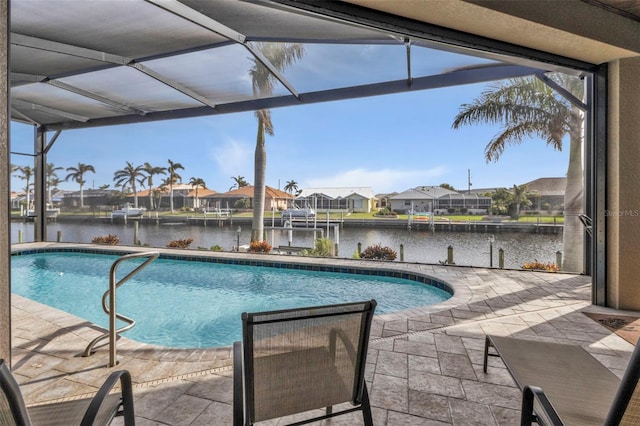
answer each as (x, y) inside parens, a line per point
(178, 303)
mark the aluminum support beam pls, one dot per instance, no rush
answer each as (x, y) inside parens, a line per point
(563, 92)
(5, 188)
(597, 180)
(454, 78)
(29, 105)
(40, 185)
(94, 96)
(204, 21)
(96, 55)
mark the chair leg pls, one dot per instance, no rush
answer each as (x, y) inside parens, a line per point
(527, 416)
(487, 343)
(366, 407)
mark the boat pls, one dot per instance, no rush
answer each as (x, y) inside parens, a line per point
(297, 213)
(128, 211)
(51, 213)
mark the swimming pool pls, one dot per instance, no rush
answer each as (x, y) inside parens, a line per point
(180, 303)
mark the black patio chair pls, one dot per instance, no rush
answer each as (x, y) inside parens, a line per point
(297, 360)
(565, 385)
(99, 410)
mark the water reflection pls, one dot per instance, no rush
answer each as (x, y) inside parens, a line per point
(470, 248)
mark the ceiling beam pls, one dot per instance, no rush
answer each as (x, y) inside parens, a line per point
(453, 78)
(210, 24)
(67, 49)
(31, 106)
(81, 52)
(84, 93)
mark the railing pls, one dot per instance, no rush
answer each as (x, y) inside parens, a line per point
(110, 309)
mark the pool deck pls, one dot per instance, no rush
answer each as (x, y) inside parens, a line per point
(424, 365)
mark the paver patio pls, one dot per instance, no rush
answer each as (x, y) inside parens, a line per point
(424, 365)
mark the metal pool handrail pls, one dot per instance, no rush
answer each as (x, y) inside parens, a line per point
(110, 309)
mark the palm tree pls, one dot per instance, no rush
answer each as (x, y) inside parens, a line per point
(195, 184)
(160, 191)
(280, 55)
(77, 174)
(52, 179)
(174, 177)
(291, 186)
(520, 198)
(26, 173)
(152, 171)
(527, 107)
(130, 175)
(501, 199)
(239, 182)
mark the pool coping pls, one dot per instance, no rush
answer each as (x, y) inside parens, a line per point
(439, 276)
(221, 356)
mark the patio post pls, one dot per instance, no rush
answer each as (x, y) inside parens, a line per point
(5, 213)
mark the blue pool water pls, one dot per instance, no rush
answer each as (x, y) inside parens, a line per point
(180, 303)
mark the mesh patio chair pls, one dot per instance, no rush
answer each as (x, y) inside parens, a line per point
(565, 385)
(99, 410)
(297, 360)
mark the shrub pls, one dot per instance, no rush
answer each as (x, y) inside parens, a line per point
(259, 247)
(541, 266)
(217, 248)
(377, 252)
(323, 248)
(385, 212)
(108, 239)
(181, 243)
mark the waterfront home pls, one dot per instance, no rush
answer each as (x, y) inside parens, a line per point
(345, 199)
(242, 198)
(439, 201)
(547, 193)
(98, 199)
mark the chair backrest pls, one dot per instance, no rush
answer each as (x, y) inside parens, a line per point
(313, 343)
(625, 409)
(13, 410)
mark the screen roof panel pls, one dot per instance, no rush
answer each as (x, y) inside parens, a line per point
(91, 63)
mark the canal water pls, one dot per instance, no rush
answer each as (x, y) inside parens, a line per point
(424, 246)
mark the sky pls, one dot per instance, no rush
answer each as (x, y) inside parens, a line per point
(389, 143)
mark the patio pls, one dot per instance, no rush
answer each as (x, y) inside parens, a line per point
(424, 365)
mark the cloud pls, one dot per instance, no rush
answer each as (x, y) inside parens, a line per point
(233, 157)
(385, 180)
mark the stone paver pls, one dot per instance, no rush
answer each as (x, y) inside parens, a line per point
(424, 365)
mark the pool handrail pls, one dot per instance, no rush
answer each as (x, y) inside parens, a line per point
(110, 309)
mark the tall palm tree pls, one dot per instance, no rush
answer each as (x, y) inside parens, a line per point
(173, 178)
(130, 176)
(160, 191)
(291, 186)
(52, 179)
(239, 182)
(77, 174)
(26, 173)
(520, 198)
(151, 171)
(197, 183)
(527, 107)
(280, 55)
